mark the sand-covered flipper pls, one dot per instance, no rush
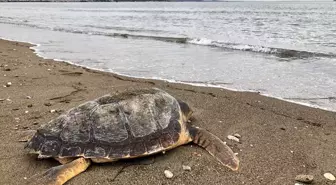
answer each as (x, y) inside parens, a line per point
(58, 175)
(215, 147)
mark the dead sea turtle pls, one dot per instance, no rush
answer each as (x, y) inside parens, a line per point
(130, 124)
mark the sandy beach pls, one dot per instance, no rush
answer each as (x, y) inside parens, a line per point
(279, 139)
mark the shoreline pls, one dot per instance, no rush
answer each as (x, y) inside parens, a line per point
(279, 139)
(34, 48)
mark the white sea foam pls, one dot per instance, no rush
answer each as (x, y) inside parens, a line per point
(235, 46)
(201, 41)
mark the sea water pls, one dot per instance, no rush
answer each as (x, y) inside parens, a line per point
(280, 49)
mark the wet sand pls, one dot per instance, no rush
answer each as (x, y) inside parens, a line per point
(279, 139)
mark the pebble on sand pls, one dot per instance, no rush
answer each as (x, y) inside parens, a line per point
(329, 176)
(168, 174)
(53, 110)
(186, 168)
(8, 84)
(304, 178)
(237, 135)
(233, 138)
(47, 104)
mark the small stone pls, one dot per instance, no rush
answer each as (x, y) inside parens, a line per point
(30, 105)
(49, 69)
(168, 174)
(53, 111)
(2, 99)
(189, 121)
(59, 111)
(35, 123)
(304, 178)
(233, 138)
(236, 154)
(329, 176)
(197, 154)
(28, 97)
(8, 84)
(47, 104)
(26, 112)
(25, 178)
(186, 168)
(237, 135)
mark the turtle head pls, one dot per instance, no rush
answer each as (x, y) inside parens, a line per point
(186, 110)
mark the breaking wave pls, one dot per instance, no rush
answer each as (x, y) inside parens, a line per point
(280, 52)
(130, 33)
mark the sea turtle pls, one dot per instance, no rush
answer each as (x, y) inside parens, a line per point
(125, 125)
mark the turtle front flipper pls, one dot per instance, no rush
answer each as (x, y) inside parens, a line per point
(215, 147)
(58, 175)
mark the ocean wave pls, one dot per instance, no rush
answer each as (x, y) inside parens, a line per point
(279, 52)
(128, 29)
(125, 33)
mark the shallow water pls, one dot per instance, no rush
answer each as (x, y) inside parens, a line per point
(282, 49)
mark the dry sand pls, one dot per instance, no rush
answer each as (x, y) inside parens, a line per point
(279, 139)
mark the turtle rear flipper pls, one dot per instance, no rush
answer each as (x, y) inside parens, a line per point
(58, 175)
(215, 147)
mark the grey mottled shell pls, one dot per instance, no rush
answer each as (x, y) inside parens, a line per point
(125, 125)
